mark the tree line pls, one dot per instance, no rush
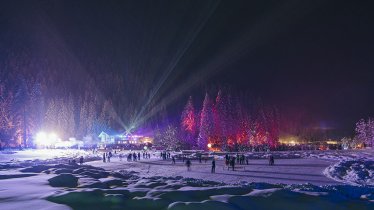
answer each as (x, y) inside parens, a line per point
(227, 121)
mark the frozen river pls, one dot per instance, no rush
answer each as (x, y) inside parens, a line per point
(285, 171)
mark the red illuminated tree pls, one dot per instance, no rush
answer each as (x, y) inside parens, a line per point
(188, 125)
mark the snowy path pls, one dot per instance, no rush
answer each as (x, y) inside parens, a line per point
(286, 171)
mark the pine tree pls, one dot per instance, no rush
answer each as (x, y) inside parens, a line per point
(272, 121)
(6, 116)
(71, 122)
(37, 108)
(83, 119)
(170, 138)
(243, 129)
(51, 116)
(21, 112)
(206, 123)
(188, 125)
(62, 119)
(219, 124)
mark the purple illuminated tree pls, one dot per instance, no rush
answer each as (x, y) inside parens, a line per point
(206, 123)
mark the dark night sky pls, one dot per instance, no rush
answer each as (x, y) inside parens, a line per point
(311, 57)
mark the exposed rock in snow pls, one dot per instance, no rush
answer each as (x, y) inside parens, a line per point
(63, 180)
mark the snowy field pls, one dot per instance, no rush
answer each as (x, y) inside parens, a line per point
(42, 179)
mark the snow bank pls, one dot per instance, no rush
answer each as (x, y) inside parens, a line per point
(127, 190)
(355, 172)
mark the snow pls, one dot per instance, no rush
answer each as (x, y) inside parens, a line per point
(355, 172)
(41, 154)
(48, 182)
(286, 171)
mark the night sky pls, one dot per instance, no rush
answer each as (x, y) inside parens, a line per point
(310, 58)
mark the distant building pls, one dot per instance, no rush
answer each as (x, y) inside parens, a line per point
(123, 138)
(107, 137)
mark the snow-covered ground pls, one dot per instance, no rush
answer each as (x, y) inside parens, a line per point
(40, 154)
(42, 179)
(285, 171)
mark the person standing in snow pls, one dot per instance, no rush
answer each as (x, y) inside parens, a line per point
(213, 166)
(173, 160)
(104, 157)
(232, 163)
(81, 160)
(271, 160)
(138, 155)
(188, 164)
(134, 156)
(108, 157)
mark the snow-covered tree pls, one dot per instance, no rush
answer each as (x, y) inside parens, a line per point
(21, 112)
(167, 138)
(170, 138)
(365, 131)
(37, 108)
(206, 123)
(6, 116)
(347, 143)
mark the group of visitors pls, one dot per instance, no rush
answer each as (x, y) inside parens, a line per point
(146, 155)
(165, 155)
(74, 162)
(188, 164)
(133, 156)
(107, 156)
(231, 161)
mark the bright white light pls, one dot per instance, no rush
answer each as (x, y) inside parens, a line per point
(52, 137)
(209, 145)
(42, 139)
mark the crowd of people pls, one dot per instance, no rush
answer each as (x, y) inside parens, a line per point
(231, 160)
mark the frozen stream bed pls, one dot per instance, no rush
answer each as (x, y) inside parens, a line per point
(48, 182)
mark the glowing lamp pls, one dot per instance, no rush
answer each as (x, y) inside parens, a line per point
(209, 145)
(41, 138)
